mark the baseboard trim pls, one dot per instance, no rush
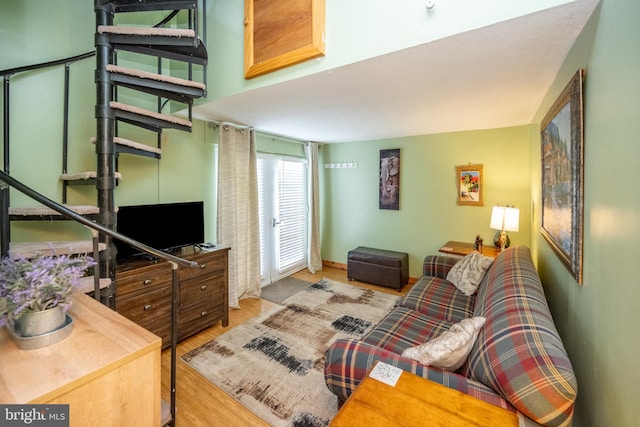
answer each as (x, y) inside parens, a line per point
(334, 264)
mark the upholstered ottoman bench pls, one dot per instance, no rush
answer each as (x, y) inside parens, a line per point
(378, 266)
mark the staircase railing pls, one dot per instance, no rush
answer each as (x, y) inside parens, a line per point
(5, 228)
(7, 180)
(71, 215)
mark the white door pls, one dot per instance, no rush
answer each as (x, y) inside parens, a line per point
(282, 189)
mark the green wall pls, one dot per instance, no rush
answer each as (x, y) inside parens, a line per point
(271, 144)
(599, 320)
(31, 32)
(429, 215)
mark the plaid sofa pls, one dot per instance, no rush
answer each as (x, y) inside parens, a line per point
(518, 361)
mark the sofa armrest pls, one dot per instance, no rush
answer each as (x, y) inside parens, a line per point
(348, 361)
(438, 265)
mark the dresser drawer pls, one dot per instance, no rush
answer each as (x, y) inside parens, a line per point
(211, 309)
(144, 279)
(151, 310)
(199, 317)
(207, 263)
(201, 289)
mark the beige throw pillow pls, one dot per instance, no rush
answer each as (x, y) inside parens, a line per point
(467, 273)
(449, 350)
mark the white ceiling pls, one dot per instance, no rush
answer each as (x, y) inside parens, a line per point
(493, 77)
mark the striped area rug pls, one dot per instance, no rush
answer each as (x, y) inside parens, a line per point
(274, 363)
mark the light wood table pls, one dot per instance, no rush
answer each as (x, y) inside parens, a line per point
(107, 370)
(460, 249)
(415, 401)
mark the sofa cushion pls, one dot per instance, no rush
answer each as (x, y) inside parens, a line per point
(438, 298)
(404, 328)
(467, 274)
(519, 353)
(450, 349)
(438, 265)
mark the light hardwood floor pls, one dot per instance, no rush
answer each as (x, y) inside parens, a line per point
(200, 403)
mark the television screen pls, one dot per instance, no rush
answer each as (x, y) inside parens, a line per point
(164, 226)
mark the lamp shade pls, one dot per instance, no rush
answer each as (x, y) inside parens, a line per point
(511, 219)
(497, 218)
(504, 218)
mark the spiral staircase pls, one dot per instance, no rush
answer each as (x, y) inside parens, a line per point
(166, 41)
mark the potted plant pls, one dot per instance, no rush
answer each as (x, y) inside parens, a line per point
(34, 292)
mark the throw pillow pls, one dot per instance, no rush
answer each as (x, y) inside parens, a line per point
(467, 273)
(449, 350)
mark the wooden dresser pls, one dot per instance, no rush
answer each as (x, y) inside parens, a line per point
(107, 370)
(144, 293)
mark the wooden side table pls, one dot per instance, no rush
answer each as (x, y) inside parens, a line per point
(416, 401)
(460, 249)
(107, 370)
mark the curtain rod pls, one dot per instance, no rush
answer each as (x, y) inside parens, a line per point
(214, 123)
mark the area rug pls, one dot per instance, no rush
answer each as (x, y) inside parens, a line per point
(274, 363)
(282, 289)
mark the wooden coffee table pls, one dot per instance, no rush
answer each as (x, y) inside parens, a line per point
(415, 401)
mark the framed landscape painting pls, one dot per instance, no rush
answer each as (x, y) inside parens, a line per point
(470, 189)
(562, 156)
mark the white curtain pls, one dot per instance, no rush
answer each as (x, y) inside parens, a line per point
(314, 262)
(238, 211)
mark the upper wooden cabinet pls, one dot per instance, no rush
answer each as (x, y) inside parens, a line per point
(280, 33)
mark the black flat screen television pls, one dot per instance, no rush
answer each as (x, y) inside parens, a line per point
(165, 226)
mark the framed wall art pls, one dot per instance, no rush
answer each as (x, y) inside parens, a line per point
(389, 188)
(469, 182)
(562, 156)
(281, 33)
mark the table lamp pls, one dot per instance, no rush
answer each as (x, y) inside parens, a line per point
(503, 219)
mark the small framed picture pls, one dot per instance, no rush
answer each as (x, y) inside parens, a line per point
(389, 188)
(470, 189)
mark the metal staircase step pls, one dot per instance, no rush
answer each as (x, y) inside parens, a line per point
(119, 34)
(87, 285)
(131, 147)
(157, 84)
(191, 54)
(39, 213)
(31, 249)
(84, 178)
(150, 5)
(148, 119)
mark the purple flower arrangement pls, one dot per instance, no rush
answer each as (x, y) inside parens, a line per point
(38, 283)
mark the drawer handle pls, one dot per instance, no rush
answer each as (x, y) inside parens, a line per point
(203, 287)
(147, 307)
(203, 266)
(204, 313)
(147, 282)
